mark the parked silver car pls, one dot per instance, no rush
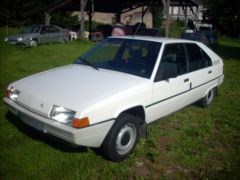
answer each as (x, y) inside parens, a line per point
(38, 34)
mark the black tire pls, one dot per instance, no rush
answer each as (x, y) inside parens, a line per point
(208, 99)
(33, 43)
(122, 138)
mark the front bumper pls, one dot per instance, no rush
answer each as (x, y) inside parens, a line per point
(23, 42)
(91, 136)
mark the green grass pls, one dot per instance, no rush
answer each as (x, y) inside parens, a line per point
(194, 143)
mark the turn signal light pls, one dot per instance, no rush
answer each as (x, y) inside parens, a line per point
(80, 123)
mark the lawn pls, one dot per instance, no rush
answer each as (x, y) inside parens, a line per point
(194, 143)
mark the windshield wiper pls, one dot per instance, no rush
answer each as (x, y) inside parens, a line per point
(88, 63)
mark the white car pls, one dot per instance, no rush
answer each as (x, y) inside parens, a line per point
(107, 97)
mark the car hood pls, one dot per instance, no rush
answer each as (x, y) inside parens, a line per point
(74, 86)
(23, 35)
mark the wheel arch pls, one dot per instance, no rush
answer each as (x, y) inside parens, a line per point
(214, 87)
(34, 38)
(139, 112)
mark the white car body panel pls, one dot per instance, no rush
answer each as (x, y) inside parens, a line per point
(102, 95)
(93, 89)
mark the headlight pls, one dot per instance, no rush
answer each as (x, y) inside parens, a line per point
(12, 93)
(66, 116)
(19, 39)
(62, 115)
(6, 39)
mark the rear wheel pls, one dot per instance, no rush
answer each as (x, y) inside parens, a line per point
(208, 99)
(122, 138)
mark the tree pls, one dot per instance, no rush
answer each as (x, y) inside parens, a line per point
(23, 12)
(157, 14)
(225, 15)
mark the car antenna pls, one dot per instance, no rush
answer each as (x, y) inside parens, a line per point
(140, 24)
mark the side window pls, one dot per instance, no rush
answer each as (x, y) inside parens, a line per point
(45, 29)
(173, 62)
(198, 59)
(207, 59)
(53, 29)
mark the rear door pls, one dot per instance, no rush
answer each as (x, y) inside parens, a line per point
(172, 83)
(54, 34)
(202, 75)
(44, 35)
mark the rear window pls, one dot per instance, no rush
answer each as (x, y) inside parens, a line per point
(198, 58)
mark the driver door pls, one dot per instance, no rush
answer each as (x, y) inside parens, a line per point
(171, 85)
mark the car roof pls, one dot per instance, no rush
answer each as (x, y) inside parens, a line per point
(155, 39)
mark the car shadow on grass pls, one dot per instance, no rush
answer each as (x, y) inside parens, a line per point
(40, 136)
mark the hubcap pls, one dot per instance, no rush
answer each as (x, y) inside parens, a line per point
(209, 96)
(126, 139)
(33, 43)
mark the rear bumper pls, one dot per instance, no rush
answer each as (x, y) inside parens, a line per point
(91, 136)
(220, 80)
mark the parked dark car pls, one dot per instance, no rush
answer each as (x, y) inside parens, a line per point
(196, 36)
(33, 35)
(211, 35)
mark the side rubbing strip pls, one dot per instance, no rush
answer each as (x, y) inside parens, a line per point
(191, 88)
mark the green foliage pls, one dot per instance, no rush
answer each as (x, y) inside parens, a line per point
(157, 14)
(94, 25)
(176, 28)
(64, 19)
(194, 143)
(225, 15)
(18, 13)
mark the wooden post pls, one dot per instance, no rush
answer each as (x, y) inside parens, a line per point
(166, 5)
(83, 4)
(118, 17)
(142, 12)
(185, 12)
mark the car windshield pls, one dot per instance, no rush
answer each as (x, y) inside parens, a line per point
(131, 56)
(30, 29)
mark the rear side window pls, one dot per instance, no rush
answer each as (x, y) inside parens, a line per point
(53, 29)
(198, 59)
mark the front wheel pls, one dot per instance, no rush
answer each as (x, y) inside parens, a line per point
(63, 41)
(122, 138)
(33, 43)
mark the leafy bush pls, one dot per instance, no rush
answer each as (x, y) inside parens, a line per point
(176, 28)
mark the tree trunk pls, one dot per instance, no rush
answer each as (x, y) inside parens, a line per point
(166, 5)
(47, 18)
(83, 4)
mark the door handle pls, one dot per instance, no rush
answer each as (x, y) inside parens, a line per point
(209, 72)
(186, 80)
